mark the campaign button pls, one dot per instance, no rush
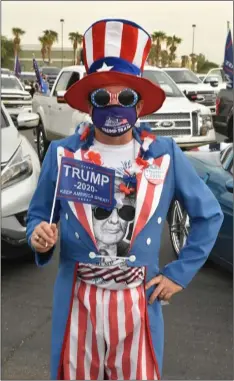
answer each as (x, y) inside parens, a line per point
(154, 174)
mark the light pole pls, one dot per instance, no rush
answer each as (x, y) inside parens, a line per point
(194, 26)
(62, 21)
(228, 26)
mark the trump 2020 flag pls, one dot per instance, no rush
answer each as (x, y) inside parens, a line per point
(17, 67)
(228, 61)
(86, 183)
(36, 69)
(42, 84)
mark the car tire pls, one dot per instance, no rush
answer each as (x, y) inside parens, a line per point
(179, 226)
(42, 142)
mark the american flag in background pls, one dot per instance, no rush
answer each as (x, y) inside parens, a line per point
(17, 67)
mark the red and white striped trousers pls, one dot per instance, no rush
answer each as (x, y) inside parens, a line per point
(107, 336)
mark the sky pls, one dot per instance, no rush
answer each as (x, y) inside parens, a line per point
(172, 17)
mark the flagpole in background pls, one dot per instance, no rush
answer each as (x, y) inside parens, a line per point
(228, 26)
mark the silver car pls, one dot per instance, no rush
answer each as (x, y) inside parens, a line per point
(20, 169)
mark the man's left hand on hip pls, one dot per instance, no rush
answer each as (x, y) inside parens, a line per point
(165, 289)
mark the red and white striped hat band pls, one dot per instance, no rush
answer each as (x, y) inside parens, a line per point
(116, 45)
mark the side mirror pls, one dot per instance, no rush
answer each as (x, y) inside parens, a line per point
(229, 185)
(60, 97)
(192, 95)
(213, 81)
(27, 120)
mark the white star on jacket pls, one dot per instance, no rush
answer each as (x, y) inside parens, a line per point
(105, 67)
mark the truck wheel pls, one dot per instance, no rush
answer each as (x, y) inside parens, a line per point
(42, 142)
(179, 226)
(230, 130)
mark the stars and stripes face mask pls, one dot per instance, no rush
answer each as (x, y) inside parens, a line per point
(114, 120)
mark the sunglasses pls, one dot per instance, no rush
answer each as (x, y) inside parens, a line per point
(103, 98)
(126, 213)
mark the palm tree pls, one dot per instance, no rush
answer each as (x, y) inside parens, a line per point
(44, 43)
(193, 61)
(51, 37)
(172, 43)
(201, 59)
(17, 32)
(76, 39)
(164, 58)
(184, 61)
(158, 38)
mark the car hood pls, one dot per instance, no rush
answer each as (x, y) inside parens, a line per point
(181, 104)
(195, 87)
(10, 141)
(14, 92)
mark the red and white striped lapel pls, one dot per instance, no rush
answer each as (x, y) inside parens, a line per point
(83, 212)
(148, 196)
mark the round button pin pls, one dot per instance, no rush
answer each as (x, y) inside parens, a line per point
(92, 255)
(132, 258)
(148, 241)
(159, 220)
(154, 174)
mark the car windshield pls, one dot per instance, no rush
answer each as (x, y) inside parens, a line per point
(28, 77)
(10, 83)
(183, 76)
(161, 79)
(50, 71)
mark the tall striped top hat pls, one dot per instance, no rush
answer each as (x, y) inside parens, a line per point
(115, 52)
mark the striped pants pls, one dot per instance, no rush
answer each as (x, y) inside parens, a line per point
(107, 336)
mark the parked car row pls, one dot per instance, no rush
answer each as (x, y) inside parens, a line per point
(189, 123)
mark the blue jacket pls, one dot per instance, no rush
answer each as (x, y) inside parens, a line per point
(77, 241)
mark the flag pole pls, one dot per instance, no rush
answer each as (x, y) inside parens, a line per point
(56, 189)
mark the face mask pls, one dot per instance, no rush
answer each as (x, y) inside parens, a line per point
(114, 120)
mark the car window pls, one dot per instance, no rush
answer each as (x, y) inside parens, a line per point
(66, 80)
(226, 157)
(183, 76)
(50, 70)
(216, 73)
(73, 79)
(11, 83)
(4, 121)
(164, 81)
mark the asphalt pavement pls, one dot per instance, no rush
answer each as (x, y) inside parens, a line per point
(198, 322)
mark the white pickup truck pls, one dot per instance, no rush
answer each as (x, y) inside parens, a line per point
(192, 86)
(189, 123)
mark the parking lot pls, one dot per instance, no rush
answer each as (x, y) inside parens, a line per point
(198, 321)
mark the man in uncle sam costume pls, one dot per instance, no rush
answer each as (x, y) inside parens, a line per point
(110, 185)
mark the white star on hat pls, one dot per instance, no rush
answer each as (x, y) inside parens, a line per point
(105, 67)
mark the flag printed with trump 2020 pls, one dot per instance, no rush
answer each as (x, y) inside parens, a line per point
(228, 61)
(86, 183)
